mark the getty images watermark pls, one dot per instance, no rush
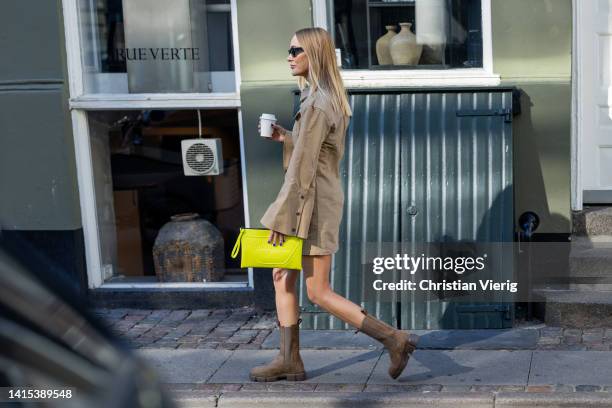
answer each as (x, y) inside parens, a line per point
(458, 265)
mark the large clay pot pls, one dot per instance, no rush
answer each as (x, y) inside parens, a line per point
(189, 249)
(382, 46)
(404, 48)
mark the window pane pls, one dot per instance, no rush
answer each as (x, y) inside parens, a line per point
(431, 34)
(141, 187)
(151, 46)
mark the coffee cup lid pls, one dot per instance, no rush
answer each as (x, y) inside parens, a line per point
(268, 116)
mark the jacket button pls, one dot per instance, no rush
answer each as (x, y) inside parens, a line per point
(293, 229)
(301, 196)
(297, 213)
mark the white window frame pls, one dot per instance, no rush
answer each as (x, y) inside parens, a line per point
(576, 198)
(365, 78)
(80, 104)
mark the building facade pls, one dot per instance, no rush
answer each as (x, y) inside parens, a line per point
(99, 96)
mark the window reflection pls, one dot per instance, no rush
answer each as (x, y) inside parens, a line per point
(414, 34)
(150, 46)
(146, 205)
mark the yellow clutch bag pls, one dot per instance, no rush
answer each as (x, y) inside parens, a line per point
(258, 253)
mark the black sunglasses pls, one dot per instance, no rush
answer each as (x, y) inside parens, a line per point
(295, 51)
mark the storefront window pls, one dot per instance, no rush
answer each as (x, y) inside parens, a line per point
(156, 46)
(412, 34)
(155, 223)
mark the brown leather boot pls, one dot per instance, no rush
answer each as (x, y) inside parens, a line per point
(287, 364)
(398, 343)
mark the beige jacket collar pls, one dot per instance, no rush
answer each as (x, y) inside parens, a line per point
(305, 93)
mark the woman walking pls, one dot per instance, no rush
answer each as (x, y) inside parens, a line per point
(309, 205)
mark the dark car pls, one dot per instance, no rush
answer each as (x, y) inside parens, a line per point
(52, 347)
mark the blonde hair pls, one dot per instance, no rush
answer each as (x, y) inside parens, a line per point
(323, 72)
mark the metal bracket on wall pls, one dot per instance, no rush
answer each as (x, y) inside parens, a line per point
(505, 112)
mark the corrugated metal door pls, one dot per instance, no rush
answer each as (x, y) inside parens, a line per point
(456, 187)
(422, 167)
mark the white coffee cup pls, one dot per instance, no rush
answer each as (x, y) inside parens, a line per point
(265, 124)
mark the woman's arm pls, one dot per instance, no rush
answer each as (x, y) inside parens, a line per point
(280, 134)
(287, 149)
(291, 212)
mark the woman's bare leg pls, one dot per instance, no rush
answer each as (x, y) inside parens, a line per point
(397, 343)
(287, 364)
(285, 296)
(316, 273)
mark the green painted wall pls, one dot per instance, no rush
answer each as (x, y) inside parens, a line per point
(265, 28)
(531, 50)
(532, 45)
(38, 182)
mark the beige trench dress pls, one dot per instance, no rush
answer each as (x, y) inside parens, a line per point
(309, 204)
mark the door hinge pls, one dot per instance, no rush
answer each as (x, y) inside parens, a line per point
(505, 112)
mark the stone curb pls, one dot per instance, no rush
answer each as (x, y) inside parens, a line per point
(293, 387)
(196, 400)
(553, 400)
(392, 400)
(339, 400)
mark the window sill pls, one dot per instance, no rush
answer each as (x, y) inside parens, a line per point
(421, 78)
(156, 100)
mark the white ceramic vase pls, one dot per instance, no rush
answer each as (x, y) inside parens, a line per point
(382, 46)
(404, 48)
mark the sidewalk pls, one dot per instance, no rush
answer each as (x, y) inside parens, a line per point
(204, 357)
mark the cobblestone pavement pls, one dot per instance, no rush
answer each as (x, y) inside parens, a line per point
(244, 328)
(240, 328)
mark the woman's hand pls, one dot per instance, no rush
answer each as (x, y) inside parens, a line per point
(278, 132)
(276, 238)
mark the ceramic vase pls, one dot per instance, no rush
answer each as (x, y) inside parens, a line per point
(382, 46)
(404, 48)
